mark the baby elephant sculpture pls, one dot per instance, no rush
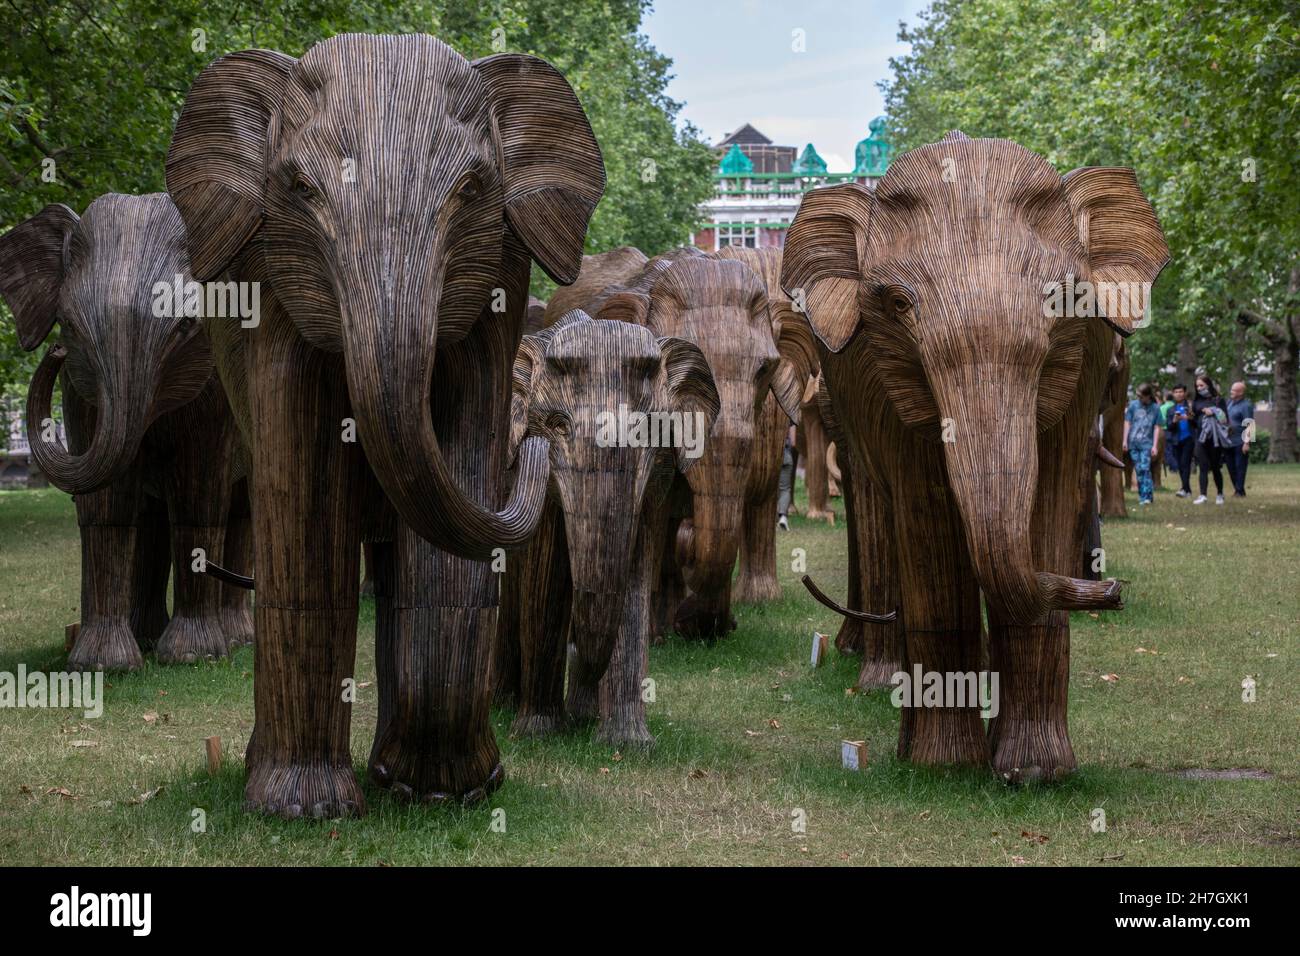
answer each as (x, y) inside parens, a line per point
(146, 419)
(967, 391)
(623, 411)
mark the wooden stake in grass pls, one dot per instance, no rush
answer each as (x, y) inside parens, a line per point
(213, 747)
(853, 754)
(70, 636)
(820, 645)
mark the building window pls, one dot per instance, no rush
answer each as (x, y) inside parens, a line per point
(743, 234)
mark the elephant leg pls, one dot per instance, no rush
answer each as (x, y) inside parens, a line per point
(1028, 736)
(153, 565)
(883, 647)
(236, 613)
(816, 476)
(545, 593)
(851, 638)
(381, 562)
(307, 484)
(622, 701)
(106, 639)
(505, 646)
(670, 586)
(367, 572)
(941, 614)
(198, 533)
(438, 745)
(756, 580)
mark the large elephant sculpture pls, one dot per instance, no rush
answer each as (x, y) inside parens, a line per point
(388, 195)
(721, 305)
(756, 579)
(153, 454)
(624, 412)
(970, 395)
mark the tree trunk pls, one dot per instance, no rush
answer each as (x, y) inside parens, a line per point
(1187, 365)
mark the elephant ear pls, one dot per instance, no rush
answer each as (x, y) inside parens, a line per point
(33, 256)
(1121, 236)
(794, 342)
(216, 165)
(691, 389)
(822, 261)
(551, 164)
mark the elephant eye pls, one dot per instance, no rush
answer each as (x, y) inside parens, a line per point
(559, 423)
(303, 189)
(470, 188)
(897, 300)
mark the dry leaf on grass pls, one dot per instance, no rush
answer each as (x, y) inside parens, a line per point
(1036, 837)
(145, 797)
(63, 792)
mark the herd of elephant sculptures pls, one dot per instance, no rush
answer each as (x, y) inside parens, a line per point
(387, 197)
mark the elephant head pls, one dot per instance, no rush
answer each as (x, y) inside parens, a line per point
(622, 411)
(372, 183)
(941, 284)
(99, 277)
(722, 306)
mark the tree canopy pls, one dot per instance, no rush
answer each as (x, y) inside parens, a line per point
(90, 91)
(1200, 97)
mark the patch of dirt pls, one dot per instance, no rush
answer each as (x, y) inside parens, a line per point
(1237, 773)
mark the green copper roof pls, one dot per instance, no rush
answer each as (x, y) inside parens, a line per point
(735, 162)
(809, 163)
(872, 155)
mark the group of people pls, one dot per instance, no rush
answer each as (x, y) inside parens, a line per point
(1203, 427)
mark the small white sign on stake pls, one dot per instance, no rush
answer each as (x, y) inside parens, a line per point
(820, 645)
(853, 754)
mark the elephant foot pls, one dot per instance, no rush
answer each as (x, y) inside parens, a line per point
(700, 623)
(821, 515)
(878, 675)
(582, 706)
(535, 725)
(237, 625)
(626, 732)
(296, 790)
(190, 639)
(1032, 752)
(416, 776)
(943, 736)
(755, 589)
(105, 645)
(851, 638)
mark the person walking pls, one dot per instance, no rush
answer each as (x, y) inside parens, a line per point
(1181, 439)
(1171, 463)
(787, 481)
(1210, 413)
(1241, 415)
(1142, 438)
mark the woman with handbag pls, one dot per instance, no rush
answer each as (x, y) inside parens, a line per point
(1210, 412)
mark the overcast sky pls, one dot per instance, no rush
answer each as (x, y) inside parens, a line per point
(734, 64)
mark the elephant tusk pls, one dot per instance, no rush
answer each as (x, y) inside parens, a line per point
(227, 577)
(1104, 454)
(821, 598)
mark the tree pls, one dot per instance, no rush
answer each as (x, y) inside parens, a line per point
(96, 89)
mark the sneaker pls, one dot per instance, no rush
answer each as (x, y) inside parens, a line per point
(782, 523)
(1183, 494)
(1200, 501)
(1145, 501)
(1218, 499)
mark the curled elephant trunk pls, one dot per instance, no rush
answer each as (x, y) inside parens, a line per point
(994, 478)
(119, 429)
(708, 542)
(389, 355)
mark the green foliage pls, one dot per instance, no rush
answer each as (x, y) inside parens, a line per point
(97, 87)
(1197, 95)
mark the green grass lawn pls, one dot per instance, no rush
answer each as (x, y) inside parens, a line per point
(748, 733)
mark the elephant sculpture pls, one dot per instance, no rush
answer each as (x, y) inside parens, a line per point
(388, 195)
(756, 577)
(721, 305)
(624, 412)
(154, 455)
(605, 270)
(813, 442)
(969, 395)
